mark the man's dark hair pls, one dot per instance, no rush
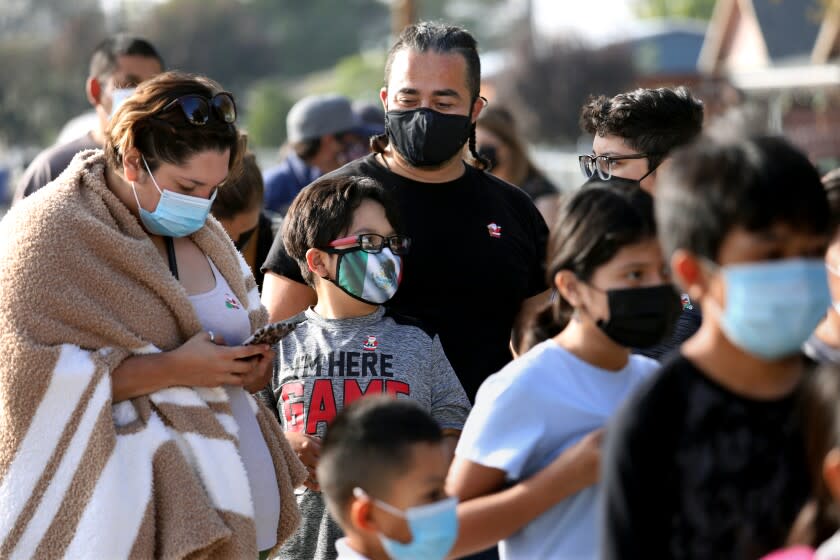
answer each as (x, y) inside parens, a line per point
(242, 192)
(323, 212)
(714, 186)
(103, 61)
(368, 445)
(651, 121)
(441, 38)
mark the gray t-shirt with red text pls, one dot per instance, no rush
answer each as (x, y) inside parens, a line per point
(326, 364)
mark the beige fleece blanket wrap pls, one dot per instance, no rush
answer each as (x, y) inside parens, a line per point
(82, 288)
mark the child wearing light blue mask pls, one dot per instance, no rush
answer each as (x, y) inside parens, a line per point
(707, 460)
(382, 469)
(385, 486)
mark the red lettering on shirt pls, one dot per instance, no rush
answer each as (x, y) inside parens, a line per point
(293, 411)
(397, 388)
(352, 391)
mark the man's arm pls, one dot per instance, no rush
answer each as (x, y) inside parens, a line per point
(284, 298)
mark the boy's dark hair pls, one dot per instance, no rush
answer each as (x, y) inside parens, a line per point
(323, 212)
(103, 60)
(592, 226)
(438, 37)
(651, 121)
(368, 445)
(819, 519)
(242, 192)
(714, 186)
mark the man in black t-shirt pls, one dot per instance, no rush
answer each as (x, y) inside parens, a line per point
(707, 460)
(478, 243)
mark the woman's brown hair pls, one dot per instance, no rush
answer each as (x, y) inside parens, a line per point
(165, 136)
(500, 122)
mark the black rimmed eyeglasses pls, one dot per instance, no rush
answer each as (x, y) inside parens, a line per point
(371, 243)
(197, 108)
(603, 165)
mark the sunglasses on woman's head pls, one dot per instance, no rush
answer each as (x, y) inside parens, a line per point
(197, 108)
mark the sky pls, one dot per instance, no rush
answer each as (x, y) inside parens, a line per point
(594, 19)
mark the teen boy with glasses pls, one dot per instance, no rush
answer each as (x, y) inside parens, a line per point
(634, 134)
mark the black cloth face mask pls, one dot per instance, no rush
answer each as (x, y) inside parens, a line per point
(613, 181)
(641, 317)
(425, 137)
(244, 237)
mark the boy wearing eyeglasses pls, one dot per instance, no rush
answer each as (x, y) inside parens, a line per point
(634, 133)
(343, 232)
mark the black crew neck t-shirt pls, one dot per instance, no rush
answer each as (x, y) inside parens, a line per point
(693, 470)
(478, 251)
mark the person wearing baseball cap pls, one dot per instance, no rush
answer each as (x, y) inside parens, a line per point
(322, 131)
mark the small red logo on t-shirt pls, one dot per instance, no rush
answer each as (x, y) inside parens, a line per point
(230, 302)
(370, 344)
(494, 229)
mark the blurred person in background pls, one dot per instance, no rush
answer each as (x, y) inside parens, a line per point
(322, 135)
(816, 531)
(824, 344)
(370, 121)
(117, 66)
(498, 140)
(239, 208)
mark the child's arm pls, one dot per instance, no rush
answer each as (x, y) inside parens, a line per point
(485, 520)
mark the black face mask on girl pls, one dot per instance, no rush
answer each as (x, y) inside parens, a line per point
(425, 137)
(641, 317)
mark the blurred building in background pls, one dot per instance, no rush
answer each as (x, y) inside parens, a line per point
(784, 55)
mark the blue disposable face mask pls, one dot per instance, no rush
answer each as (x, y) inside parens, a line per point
(434, 528)
(176, 215)
(118, 97)
(773, 307)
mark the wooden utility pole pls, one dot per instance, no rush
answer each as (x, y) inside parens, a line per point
(403, 14)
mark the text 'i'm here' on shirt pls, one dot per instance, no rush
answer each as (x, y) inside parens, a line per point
(326, 364)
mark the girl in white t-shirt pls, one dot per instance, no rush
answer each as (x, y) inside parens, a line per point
(612, 294)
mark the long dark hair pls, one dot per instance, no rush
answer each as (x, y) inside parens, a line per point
(820, 517)
(592, 226)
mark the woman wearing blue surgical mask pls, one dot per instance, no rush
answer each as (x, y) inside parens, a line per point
(126, 309)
